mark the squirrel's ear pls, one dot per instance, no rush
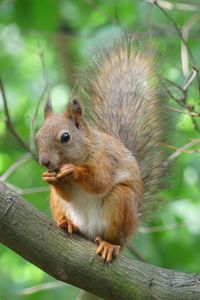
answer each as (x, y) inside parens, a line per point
(48, 110)
(75, 112)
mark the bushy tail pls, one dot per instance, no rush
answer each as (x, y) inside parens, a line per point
(122, 98)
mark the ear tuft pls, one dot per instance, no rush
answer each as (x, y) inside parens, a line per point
(48, 110)
(75, 112)
(76, 107)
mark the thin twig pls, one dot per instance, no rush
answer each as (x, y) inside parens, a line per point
(42, 61)
(13, 187)
(41, 287)
(20, 191)
(14, 166)
(190, 78)
(182, 150)
(161, 227)
(181, 101)
(33, 120)
(185, 147)
(179, 32)
(9, 122)
(180, 5)
(40, 53)
(195, 124)
(25, 47)
(136, 253)
(192, 114)
(34, 190)
(149, 18)
(185, 32)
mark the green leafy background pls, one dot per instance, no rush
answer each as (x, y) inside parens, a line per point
(44, 41)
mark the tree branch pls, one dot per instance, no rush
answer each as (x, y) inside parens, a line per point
(9, 122)
(72, 259)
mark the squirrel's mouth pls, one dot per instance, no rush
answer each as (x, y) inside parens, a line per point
(54, 167)
(55, 170)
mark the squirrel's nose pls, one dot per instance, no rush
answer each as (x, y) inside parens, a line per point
(45, 162)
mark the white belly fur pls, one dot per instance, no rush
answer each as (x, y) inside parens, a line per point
(85, 211)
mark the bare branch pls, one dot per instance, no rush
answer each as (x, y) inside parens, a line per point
(180, 5)
(14, 188)
(34, 190)
(20, 191)
(185, 147)
(25, 47)
(195, 124)
(14, 166)
(40, 54)
(41, 287)
(72, 259)
(136, 253)
(42, 61)
(181, 101)
(182, 151)
(33, 120)
(46, 85)
(148, 18)
(9, 122)
(161, 227)
(192, 114)
(179, 32)
(190, 78)
(185, 32)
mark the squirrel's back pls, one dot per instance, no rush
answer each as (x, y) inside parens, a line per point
(121, 96)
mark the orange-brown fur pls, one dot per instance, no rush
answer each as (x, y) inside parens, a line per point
(123, 219)
(97, 184)
(99, 174)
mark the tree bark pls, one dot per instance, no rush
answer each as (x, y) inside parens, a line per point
(72, 259)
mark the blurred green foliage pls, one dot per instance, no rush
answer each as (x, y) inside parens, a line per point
(42, 42)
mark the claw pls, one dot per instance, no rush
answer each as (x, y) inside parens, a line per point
(49, 177)
(65, 223)
(65, 170)
(98, 240)
(106, 250)
(53, 177)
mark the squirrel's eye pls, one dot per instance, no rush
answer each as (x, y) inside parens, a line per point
(65, 137)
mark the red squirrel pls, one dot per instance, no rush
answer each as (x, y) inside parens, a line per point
(102, 154)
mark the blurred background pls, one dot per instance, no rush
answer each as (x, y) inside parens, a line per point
(41, 45)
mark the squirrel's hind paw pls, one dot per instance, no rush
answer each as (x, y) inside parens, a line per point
(106, 250)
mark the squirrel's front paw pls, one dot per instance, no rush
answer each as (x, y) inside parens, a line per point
(65, 170)
(53, 177)
(65, 223)
(50, 177)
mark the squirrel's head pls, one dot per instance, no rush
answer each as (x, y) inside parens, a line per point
(63, 138)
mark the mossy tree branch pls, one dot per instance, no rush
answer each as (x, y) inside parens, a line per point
(72, 259)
